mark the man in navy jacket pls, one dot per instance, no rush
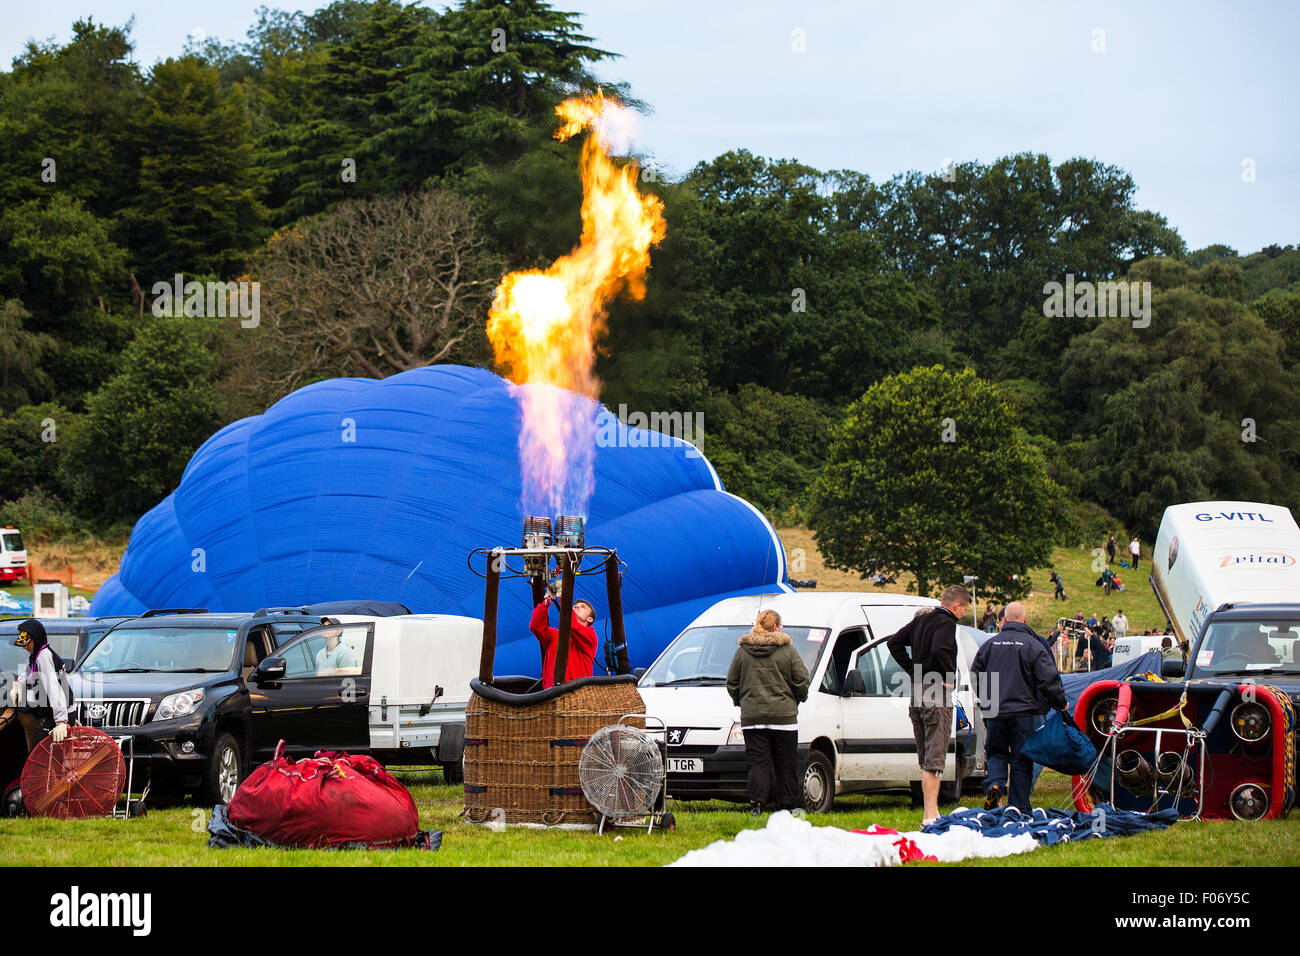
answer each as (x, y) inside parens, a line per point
(1013, 675)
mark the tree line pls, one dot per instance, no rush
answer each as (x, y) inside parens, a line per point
(376, 166)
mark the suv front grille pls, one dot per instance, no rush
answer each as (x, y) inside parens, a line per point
(113, 713)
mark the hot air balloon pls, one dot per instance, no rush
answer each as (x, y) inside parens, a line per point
(380, 489)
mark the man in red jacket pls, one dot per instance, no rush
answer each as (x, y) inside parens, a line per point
(582, 641)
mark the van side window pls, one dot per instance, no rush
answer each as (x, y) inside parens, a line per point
(882, 675)
(848, 641)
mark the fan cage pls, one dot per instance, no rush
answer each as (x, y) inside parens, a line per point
(621, 771)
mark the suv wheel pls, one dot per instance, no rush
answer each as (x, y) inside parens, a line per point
(818, 783)
(222, 778)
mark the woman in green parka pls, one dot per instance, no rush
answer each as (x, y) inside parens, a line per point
(768, 680)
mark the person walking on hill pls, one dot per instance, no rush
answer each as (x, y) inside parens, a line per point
(1110, 550)
(1135, 549)
(768, 681)
(1060, 586)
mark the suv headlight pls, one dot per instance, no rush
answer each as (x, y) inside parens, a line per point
(736, 738)
(179, 705)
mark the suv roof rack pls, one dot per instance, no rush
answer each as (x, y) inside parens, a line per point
(155, 612)
(268, 611)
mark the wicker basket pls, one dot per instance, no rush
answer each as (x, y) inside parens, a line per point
(522, 749)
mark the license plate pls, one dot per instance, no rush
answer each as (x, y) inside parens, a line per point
(685, 765)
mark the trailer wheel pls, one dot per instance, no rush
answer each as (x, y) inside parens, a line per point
(454, 772)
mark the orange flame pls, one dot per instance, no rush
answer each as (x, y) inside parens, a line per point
(544, 325)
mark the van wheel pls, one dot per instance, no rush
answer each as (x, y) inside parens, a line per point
(818, 783)
(222, 777)
(454, 772)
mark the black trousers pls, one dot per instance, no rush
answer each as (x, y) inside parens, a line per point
(773, 753)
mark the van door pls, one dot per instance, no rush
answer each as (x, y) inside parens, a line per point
(323, 701)
(879, 746)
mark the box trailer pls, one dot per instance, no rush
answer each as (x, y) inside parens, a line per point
(1209, 554)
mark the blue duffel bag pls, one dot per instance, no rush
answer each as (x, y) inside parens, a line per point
(1061, 745)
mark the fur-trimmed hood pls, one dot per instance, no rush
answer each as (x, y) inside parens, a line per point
(762, 641)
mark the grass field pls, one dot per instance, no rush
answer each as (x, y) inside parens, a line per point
(176, 836)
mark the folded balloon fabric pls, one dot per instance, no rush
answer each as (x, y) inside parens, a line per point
(908, 851)
(790, 841)
(1050, 826)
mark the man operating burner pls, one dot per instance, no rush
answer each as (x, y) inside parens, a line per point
(582, 641)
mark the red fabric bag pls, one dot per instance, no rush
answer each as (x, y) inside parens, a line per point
(328, 800)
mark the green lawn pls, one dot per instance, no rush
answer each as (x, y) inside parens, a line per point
(175, 836)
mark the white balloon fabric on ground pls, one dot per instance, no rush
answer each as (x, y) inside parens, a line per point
(789, 841)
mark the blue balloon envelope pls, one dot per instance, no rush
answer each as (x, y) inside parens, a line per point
(380, 489)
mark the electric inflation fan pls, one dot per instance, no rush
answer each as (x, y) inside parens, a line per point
(623, 775)
(80, 777)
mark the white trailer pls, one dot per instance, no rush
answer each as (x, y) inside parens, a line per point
(419, 685)
(1211, 553)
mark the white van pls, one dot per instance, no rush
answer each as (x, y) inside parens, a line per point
(850, 740)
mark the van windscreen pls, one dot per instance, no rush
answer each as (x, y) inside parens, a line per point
(702, 655)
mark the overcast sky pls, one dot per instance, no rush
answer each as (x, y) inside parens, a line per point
(1190, 97)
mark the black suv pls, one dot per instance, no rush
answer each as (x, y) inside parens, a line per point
(179, 683)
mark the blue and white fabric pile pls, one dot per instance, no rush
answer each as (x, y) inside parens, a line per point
(1050, 826)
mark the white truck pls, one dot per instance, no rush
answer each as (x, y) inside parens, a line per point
(13, 555)
(854, 731)
(1227, 574)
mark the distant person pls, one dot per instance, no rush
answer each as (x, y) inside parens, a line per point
(1110, 550)
(1017, 682)
(1120, 623)
(1060, 586)
(1249, 642)
(1091, 653)
(926, 649)
(1107, 580)
(1135, 549)
(582, 641)
(1170, 651)
(768, 680)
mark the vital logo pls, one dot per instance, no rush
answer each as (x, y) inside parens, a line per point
(1234, 516)
(1274, 559)
(78, 910)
